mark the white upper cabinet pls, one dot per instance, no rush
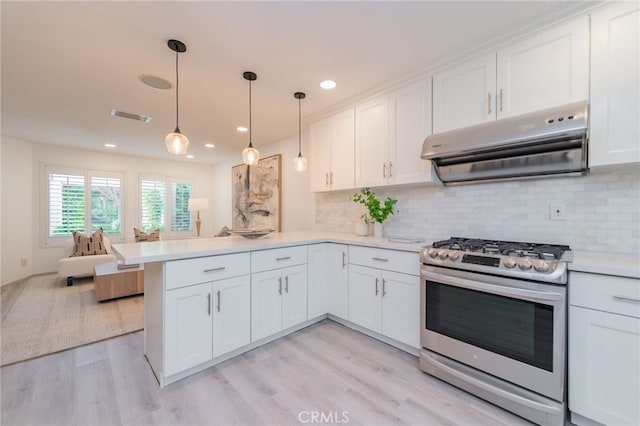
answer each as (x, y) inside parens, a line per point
(390, 130)
(548, 69)
(615, 85)
(545, 70)
(332, 152)
(465, 95)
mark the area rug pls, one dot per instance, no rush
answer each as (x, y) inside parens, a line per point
(49, 317)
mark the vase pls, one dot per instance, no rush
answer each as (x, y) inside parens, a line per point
(377, 230)
(361, 228)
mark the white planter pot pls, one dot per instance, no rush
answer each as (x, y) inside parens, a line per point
(377, 230)
(361, 228)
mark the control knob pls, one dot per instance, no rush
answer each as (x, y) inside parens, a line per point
(541, 266)
(509, 262)
(443, 254)
(454, 255)
(433, 252)
(524, 264)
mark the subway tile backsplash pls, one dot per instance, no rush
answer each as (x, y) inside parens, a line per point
(602, 210)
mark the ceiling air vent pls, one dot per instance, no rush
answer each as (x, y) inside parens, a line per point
(139, 117)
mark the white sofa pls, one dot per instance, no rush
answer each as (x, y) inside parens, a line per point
(81, 266)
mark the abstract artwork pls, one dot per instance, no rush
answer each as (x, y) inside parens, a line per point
(256, 194)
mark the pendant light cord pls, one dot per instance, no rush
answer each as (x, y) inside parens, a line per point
(177, 91)
(299, 128)
(250, 126)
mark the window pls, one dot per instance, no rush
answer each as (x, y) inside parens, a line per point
(83, 201)
(161, 199)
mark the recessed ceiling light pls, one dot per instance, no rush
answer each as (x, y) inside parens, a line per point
(139, 117)
(189, 156)
(209, 145)
(155, 82)
(109, 145)
(241, 129)
(328, 84)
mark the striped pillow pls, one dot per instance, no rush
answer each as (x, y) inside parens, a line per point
(88, 246)
(143, 236)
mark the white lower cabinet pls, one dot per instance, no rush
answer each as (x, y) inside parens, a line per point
(338, 280)
(189, 327)
(604, 349)
(278, 300)
(385, 302)
(231, 314)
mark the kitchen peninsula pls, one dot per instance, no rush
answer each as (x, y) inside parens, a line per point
(210, 299)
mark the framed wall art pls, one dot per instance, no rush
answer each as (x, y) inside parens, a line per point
(257, 194)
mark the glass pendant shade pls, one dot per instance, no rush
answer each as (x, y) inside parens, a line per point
(250, 156)
(177, 143)
(300, 163)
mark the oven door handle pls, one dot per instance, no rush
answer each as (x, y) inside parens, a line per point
(532, 295)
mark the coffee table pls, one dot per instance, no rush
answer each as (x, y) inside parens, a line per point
(111, 282)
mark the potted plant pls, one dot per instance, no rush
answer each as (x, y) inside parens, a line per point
(378, 211)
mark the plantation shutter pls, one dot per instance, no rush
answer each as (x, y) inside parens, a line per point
(180, 214)
(66, 204)
(152, 198)
(106, 208)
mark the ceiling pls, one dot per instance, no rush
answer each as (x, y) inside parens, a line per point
(66, 65)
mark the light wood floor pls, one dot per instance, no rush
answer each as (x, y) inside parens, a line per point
(326, 368)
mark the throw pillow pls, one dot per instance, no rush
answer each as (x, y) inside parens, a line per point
(88, 246)
(144, 236)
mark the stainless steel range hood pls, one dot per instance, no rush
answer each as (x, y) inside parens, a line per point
(545, 143)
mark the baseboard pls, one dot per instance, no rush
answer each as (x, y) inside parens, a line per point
(28, 277)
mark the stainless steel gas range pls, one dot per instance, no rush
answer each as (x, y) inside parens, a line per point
(493, 319)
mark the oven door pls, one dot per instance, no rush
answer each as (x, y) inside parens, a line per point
(512, 329)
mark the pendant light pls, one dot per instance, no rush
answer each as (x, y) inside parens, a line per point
(250, 155)
(177, 143)
(299, 163)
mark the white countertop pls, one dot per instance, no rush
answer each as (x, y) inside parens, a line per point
(160, 251)
(622, 265)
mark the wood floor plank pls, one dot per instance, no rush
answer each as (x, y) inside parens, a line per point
(324, 370)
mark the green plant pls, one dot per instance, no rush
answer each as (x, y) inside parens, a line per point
(378, 211)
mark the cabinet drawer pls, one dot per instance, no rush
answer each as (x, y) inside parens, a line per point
(607, 293)
(181, 273)
(390, 260)
(266, 260)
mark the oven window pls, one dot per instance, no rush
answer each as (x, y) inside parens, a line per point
(518, 329)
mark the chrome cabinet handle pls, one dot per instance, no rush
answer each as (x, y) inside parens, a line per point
(377, 291)
(222, 268)
(344, 255)
(280, 285)
(500, 99)
(380, 259)
(286, 283)
(390, 169)
(384, 170)
(209, 304)
(384, 289)
(218, 300)
(326, 178)
(331, 178)
(626, 299)
(489, 103)
(283, 258)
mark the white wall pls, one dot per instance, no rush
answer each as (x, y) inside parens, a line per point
(22, 165)
(603, 210)
(297, 201)
(17, 209)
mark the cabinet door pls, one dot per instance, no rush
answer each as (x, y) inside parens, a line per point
(364, 297)
(317, 268)
(604, 366)
(231, 314)
(465, 95)
(188, 331)
(549, 69)
(294, 295)
(409, 124)
(615, 84)
(401, 307)
(342, 174)
(266, 304)
(338, 280)
(372, 142)
(320, 141)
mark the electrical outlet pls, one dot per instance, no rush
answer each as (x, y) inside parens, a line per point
(557, 211)
(23, 262)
